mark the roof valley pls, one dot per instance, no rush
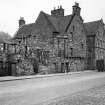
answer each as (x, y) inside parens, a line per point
(69, 23)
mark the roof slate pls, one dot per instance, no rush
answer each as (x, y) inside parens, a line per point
(58, 24)
(24, 30)
(91, 27)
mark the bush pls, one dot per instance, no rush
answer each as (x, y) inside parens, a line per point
(24, 68)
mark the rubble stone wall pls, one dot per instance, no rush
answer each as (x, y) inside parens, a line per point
(100, 44)
(76, 65)
(77, 36)
(73, 66)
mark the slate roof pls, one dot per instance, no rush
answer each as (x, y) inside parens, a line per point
(24, 30)
(55, 24)
(58, 24)
(91, 27)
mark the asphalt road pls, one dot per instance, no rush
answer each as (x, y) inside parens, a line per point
(41, 91)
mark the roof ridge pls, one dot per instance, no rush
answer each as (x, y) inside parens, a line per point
(92, 21)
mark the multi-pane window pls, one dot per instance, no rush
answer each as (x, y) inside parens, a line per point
(60, 53)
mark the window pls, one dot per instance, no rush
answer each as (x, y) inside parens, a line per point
(73, 28)
(98, 44)
(82, 45)
(60, 53)
(82, 30)
(71, 51)
(71, 33)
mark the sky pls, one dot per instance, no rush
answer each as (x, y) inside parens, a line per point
(12, 10)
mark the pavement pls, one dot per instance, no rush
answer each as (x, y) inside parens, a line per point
(14, 78)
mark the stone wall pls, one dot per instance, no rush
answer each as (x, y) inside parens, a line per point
(100, 43)
(76, 32)
(90, 52)
(76, 65)
(73, 66)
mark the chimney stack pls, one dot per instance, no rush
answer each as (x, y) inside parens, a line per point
(76, 9)
(58, 12)
(21, 21)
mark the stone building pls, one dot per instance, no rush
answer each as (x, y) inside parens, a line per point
(95, 33)
(7, 63)
(67, 39)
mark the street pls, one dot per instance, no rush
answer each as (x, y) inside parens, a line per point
(93, 96)
(43, 91)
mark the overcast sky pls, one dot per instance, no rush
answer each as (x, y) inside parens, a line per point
(11, 10)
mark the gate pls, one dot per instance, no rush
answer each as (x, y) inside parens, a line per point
(7, 69)
(100, 65)
(4, 69)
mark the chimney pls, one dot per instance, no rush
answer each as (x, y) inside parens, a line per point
(58, 12)
(76, 9)
(21, 21)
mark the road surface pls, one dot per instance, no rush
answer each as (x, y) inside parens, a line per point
(93, 96)
(40, 91)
